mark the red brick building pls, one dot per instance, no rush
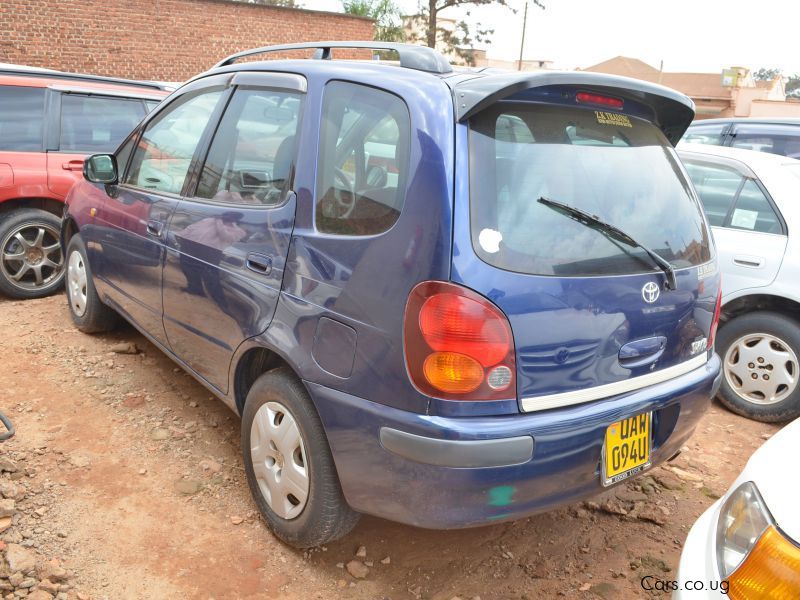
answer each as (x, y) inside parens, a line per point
(169, 40)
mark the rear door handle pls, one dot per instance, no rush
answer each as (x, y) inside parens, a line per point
(73, 165)
(259, 263)
(754, 262)
(155, 228)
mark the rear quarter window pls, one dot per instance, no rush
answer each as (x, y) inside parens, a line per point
(363, 161)
(21, 118)
(96, 123)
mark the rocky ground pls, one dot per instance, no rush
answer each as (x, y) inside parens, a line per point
(124, 481)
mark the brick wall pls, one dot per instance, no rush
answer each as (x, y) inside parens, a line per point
(168, 40)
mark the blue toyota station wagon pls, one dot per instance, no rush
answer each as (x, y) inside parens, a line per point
(446, 298)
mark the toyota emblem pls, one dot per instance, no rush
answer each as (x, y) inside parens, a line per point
(650, 292)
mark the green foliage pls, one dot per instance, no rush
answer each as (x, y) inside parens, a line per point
(388, 24)
(464, 36)
(764, 74)
(793, 86)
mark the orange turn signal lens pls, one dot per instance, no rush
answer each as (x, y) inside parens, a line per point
(771, 570)
(452, 372)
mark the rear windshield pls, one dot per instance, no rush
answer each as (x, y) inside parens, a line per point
(616, 167)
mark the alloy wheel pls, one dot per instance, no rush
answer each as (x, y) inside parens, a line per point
(30, 256)
(761, 368)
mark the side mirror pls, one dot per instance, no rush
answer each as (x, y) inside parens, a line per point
(100, 168)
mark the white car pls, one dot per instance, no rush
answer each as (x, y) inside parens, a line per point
(747, 544)
(752, 202)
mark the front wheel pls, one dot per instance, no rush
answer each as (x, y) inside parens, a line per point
(760, 363)
(88, 312)
(288, 463)
(31, 263)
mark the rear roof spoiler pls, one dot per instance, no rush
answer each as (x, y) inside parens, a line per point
(673, 111)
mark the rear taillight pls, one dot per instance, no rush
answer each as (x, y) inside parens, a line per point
(458, 344)
(715, 321)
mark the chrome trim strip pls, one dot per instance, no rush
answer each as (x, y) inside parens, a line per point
(534, 403)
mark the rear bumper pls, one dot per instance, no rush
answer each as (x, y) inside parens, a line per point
(416, 469)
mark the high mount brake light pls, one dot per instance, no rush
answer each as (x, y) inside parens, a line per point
(607, 101)
(458, 344)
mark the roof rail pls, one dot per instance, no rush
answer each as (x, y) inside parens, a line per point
(9, 69)
(420, 58)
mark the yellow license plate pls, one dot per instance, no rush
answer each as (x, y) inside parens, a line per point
(627, 448)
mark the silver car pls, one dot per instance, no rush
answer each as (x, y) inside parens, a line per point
(751, 202)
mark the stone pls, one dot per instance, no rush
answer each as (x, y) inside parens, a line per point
(52, 571)
(5, 523)
(361, 552)
(28, 583)
(48, 586)
(613, 508)
(237, 520)
(357, 569)
(11, 490)
(6, 464)
(386, 560)
(124, 348)
(39, 595)
(20, 559)
(188, 487)
(7, 507)
(159, 434)
(210, 465)
(79, 461)
(652, 514)
(685, 475)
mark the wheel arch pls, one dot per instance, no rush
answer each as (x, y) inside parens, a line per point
(752, 302)
(51, 205)
(253, 363)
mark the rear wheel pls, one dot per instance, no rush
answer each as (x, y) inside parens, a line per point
(31, 261)
(761, 369)
(88, 312)
(289, 465)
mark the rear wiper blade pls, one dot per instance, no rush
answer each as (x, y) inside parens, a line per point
(613, 232)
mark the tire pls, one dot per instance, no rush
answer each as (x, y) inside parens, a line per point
(275, 405)
(31, 261)
(759, 352)
(88, 312)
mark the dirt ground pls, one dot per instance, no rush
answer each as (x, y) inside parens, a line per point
(131, 478)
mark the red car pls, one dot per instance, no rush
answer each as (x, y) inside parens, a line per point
(49, 121)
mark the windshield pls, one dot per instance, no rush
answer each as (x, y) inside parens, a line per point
(618, 168)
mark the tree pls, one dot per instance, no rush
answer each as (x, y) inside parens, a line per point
(388, 23)
(793, 86)
(766, 74)
(461, 38)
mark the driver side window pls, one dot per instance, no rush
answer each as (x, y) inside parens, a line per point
(252, 155)
(363, 162)
(162, 157)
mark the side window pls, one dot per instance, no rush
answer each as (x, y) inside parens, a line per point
(21, 118)
(776, 139)
(363, 161)
(96, 124)
(123, 155)
(716, 186)
(164, 152)
(754, 212)
(705, 134)
(250, 160)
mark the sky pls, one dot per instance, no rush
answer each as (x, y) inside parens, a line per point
(688, 35)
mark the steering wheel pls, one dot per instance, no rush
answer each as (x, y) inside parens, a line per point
(348, 188)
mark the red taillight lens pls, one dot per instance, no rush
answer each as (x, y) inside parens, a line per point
(450, 322)
(458, 344)
(715, 321)
(609, 101)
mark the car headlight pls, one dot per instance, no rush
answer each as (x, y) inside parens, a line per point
(752, 553)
